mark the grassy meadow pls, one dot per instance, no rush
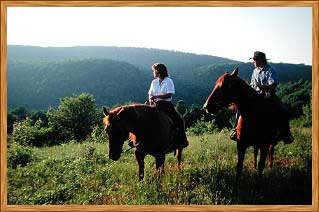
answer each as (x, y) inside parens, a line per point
(81, 173)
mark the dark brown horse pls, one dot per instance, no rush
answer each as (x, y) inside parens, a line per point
(149, 129)
(260, 119)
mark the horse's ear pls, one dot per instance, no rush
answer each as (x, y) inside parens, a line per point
(105, 112)
(235, 72)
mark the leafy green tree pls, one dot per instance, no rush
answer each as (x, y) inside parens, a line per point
(10, 121)
(295, 95)
(307, 115)
(39, 115)
(20, 113)
(75, 117)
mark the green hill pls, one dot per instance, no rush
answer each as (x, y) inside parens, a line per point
(38, 85)
(143, 58)
(38, 77)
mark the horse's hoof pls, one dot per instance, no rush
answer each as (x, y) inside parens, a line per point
(141, 177)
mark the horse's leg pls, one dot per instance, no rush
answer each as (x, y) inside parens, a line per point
(262, 160)
(160, 159)
(255, 156)
(179, 157)
(241, 149)
(140, 160)
(271, 155)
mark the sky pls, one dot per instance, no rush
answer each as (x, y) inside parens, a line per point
(283, 33)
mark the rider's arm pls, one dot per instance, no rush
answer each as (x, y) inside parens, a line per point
(268, 88)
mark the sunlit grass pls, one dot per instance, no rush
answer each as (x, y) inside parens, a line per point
(81, 173)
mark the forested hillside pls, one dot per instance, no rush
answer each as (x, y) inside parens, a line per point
(142, 58)
(38, 85)
(39, 77)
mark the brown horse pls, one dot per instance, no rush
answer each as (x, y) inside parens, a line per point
(260, 119)
(149, 129)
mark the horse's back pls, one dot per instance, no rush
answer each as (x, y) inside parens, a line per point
(156, 125)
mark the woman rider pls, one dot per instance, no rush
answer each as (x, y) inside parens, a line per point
(160, 94)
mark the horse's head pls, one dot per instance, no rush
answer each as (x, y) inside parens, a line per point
(115, 131)
(225, 92)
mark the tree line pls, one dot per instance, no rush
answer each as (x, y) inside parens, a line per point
(76, 117)
(41, 84)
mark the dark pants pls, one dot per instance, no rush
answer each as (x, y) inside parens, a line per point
(168, 109)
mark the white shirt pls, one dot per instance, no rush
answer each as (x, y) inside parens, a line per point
(166, 86)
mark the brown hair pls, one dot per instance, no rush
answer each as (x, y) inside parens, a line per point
(160, 69)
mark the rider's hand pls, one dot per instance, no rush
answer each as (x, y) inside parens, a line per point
(152, 98)
(258, 84)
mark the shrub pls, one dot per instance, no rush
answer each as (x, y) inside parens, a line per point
(201, 127)
(27, 134)
(75, 117)
(19, 155)
(307, 115)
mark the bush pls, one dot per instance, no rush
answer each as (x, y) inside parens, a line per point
(306, 119)
(201, 127)
(19, 155)
(307, 115)
(27, 134)
(74, 118)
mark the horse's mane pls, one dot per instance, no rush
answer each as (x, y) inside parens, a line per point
(115, 111)
(251, 94)
(133, 105)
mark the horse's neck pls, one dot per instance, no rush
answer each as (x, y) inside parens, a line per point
(247, 100)
(134, 123)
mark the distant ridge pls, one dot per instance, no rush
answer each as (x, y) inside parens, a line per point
(39, 76)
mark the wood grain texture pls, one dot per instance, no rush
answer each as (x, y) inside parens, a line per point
(315, 102)
(164, 3)
(203, 208)
(3, 111)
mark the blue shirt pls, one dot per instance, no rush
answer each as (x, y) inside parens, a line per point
(263, 76)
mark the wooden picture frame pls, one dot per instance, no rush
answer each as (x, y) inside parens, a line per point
(315, 101)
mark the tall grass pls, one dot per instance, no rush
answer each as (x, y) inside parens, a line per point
(76, 173)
